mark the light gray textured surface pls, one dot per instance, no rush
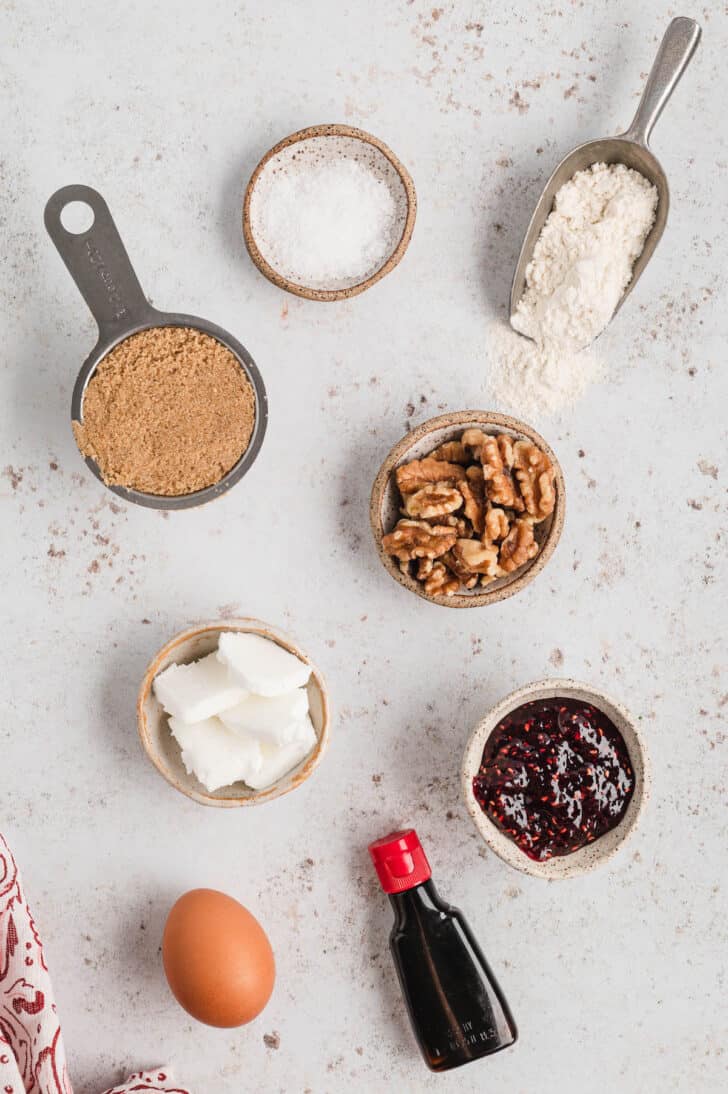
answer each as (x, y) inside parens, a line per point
(617, 980)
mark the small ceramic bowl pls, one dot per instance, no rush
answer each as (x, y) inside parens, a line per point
(320, 143)
(594, 854)
(384, 510)
(164, 752)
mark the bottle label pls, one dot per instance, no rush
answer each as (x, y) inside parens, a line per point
(468, 1034)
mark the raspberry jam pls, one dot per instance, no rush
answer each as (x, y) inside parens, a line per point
(555, 776)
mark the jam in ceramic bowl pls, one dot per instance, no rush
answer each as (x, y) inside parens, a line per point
(554, 778)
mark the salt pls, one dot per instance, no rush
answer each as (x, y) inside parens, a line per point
(325, 222)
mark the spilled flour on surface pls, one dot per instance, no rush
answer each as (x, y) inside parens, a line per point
(531, 379)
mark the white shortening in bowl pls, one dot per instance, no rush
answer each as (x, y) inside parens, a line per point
(215, 754)
(241, 713)
(274, 720)
(279, 759)
(198, 691)
(260, 666)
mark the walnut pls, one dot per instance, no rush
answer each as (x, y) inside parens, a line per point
(463, 527)
(519, 546)
(497, 458)
(497, 523)
(476, 557)
(424, 568)
(413, 476)
(467, 578)
(417, 539)
(475, 439)
(501, 490)
(499, 449)
(534, 473)
(451, 452)
(505, 447)
(441, 582)
(435, 500)
(473, 493)
(469, 511)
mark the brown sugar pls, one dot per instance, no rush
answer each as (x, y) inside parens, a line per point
(168, 411)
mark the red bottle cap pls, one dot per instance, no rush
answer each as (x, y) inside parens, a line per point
(400, 861)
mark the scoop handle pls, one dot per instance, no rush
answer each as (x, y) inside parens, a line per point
(97, 261)
(676, 48)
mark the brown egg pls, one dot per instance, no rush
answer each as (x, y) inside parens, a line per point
(217, 958)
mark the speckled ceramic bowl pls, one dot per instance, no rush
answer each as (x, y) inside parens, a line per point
(164, 752)
(587, 858)
(326, 142)
(385, 503)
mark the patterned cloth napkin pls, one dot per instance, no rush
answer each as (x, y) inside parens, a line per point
(32, 1057)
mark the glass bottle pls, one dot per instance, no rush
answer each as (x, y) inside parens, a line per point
(457, 1010)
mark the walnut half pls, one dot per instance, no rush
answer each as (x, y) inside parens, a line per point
(476, 558)
(497, 458)
(418, 473)
(437, 499)
(464, 575)
(440, 582)
(416, 539)
(534, 474)
(497, 523)
(451, 452)
(519, 546)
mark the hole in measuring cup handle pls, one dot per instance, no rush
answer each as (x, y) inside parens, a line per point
(77, 217)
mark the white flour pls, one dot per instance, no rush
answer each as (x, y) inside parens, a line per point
(532, 380)
(581, 264)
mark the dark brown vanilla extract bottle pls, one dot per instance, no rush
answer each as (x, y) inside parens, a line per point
(458, 1011)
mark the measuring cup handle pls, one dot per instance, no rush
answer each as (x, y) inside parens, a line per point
(676, 48)
(97, 261)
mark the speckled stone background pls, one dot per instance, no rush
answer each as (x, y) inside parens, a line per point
(617, 979)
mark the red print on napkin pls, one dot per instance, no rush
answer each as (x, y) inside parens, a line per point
(32, 1057)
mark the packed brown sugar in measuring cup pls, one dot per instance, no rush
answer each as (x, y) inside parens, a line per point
(168, 411)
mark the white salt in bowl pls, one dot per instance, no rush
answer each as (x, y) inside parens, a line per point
(593, 854)
(355, 235)
(164, 752)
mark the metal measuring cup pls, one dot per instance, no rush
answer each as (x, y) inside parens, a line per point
(97, 261)
(630, 148)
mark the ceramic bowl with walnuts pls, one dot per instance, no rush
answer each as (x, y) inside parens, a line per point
(468, 508)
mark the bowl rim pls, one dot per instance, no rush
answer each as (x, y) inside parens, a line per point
(247, 625)
(593, 855)
(330, 130)
(521, 577)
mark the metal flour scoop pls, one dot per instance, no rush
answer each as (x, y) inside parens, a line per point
(97, 261)
(631, 148)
